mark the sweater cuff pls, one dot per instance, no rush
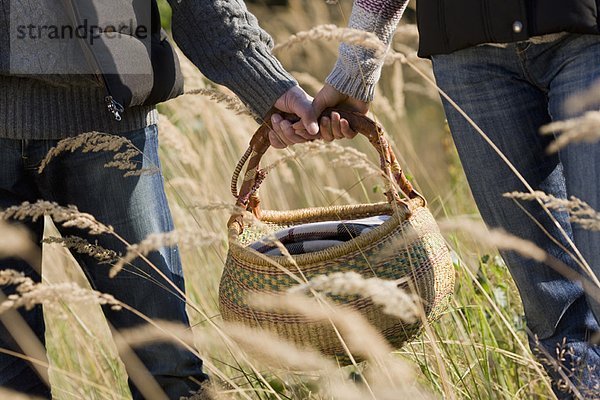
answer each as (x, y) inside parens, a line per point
(262, 82)
(356, 85)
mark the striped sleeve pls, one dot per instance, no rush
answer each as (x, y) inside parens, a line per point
(357, 70)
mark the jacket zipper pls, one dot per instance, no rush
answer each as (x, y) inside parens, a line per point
(112, 105)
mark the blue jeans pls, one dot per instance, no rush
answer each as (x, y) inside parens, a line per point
(510, 92)
(135, 207)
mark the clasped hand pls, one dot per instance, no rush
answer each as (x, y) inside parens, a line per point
(308, 127)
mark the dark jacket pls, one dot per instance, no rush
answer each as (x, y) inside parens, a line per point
(39, 71)
(158, 76)
(449, 25)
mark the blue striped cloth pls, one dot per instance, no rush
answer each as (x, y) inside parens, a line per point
(316, 236)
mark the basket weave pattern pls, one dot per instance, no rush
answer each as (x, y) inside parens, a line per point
(408, 247)
(423, 258)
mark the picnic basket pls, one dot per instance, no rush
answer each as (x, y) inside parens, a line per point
(421, 261)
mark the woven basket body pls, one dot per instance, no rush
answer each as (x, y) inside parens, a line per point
(411, 250)
(407, 248)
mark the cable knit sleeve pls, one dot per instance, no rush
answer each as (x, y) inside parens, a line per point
(223, 39)
(357, 70)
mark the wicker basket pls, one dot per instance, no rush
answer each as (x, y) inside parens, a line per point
(421, 261)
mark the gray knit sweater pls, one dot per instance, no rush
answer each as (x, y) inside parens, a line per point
(219, 36)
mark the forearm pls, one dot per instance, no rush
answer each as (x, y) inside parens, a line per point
(357, 70)
(223, 39)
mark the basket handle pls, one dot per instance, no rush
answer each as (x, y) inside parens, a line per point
(248, 199)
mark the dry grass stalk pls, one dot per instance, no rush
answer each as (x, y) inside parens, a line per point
(351, 158)
(308, 81)
(156, 241)
(15, 278)
(190, 186)
(166, 331)
(17, 241)
(260, 345)
(230, 102)
(394, 300)
(217, 205)
(503, 240)
(329, 32)
(570, 372)
(581, 129)
(172, 138)
(69, 216)
(298, 151)
(394, 56)
(359, 336)
(344, 156)
(494, 237)
(12, 395)
(30, 294)
(286, 175)
(340, 194)
(406, 31)
(82, 246)
(426, 91)
(581, 213)
(99, 142)
(158, 331)
(398, 90)
(268, 349)
(401, 242)
(585, 100)
(403, 54)
(382, 389)
(208, 391)
(382, 106)
(385, 375)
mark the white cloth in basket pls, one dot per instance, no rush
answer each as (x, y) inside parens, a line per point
(308, 238)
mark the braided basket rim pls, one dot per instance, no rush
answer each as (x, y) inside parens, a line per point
(245, 255)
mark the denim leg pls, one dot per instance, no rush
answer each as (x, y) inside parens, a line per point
(580, 360)
(574, 69)
(136, 207)
(493, 86)
(15, 188)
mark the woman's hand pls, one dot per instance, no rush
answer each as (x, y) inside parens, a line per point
(335, 127)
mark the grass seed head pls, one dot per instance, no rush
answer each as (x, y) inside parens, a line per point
(394, 300)
(330, 32)
(69, 216)
(584, 129)
(156, 241)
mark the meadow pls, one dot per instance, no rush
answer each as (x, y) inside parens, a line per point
(476, 350)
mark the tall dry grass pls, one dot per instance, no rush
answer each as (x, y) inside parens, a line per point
(476, 350)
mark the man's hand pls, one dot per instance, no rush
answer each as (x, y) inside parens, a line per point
(335, 127)
(285, 133)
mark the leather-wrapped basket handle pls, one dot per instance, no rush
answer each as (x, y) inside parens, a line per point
(247, 198)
